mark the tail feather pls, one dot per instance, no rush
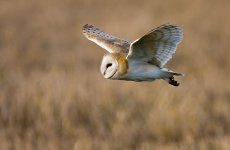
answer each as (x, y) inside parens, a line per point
(177, 73)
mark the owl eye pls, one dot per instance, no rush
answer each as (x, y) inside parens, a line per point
(108, 65)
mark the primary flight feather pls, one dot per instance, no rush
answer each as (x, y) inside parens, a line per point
(141, 60)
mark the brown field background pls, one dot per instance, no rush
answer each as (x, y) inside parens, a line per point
(53, 97)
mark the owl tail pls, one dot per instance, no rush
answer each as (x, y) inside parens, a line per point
(171, 79)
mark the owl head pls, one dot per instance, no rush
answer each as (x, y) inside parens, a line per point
(113, 66)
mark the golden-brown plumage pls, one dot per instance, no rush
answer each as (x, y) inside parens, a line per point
(123, 63)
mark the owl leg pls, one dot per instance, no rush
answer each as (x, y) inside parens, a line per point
(173, 82)
(170, 77)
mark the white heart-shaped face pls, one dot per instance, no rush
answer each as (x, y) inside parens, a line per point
(109, 66)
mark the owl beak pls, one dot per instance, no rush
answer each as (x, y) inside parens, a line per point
(108, 77)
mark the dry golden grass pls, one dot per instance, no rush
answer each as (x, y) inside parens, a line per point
(53, 97)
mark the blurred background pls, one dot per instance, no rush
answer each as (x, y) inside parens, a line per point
(53, 97)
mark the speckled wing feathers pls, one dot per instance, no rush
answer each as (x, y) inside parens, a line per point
(157, 46)
(106, 41)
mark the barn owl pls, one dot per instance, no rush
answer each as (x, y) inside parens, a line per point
(140, 60)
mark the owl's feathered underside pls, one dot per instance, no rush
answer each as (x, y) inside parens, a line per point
(155, 47)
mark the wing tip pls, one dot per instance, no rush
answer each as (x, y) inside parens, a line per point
(178, 28)
(172, 24)
(86, 28)
(90, 31)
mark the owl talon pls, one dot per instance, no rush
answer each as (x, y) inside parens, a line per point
(173, 82)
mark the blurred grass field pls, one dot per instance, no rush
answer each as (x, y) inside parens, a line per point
(53, 97)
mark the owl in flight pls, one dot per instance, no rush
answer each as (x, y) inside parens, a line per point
(140, 60)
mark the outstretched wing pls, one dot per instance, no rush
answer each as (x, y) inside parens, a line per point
(157, 46)
(106, 41)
